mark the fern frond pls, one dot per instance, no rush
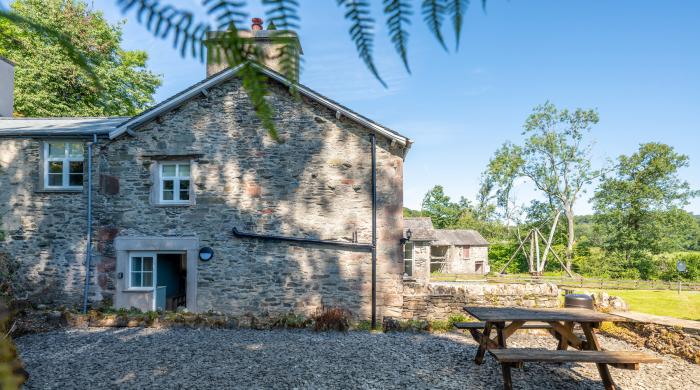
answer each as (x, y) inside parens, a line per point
(433, 15)
(457, 8)
(361, 32)
(190, 37)
(398, 17)
(226, 12)
(283, 13)
(168, 22)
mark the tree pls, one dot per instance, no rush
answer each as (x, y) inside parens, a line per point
(443, 212)
(639, 206)
(554, 157)
(48, 82)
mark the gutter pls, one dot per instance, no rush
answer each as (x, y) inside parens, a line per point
(88, 250)
(344, 244)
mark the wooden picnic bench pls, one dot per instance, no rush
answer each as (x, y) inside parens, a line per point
(561, 324)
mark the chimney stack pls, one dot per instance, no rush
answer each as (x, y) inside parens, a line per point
(270, 42)
(7, 87)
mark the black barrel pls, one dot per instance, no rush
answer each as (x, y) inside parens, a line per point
(578, 301)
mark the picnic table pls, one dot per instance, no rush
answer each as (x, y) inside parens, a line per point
(560, 323)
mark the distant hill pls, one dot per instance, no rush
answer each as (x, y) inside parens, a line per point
(697, 217)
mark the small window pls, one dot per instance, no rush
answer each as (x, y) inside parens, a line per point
(63, 165)
(141, 271)
(408, 259)
(175, 183)
(465, 252)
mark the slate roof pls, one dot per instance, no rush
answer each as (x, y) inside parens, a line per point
(59, 126)
(459, 237)
(421, 228)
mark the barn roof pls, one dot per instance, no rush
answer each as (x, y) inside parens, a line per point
(459, 237)
(421, 228)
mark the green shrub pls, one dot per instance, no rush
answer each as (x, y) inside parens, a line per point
(291, 321)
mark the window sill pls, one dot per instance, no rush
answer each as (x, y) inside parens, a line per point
(60, 190)
(173, 204)
(138, 289)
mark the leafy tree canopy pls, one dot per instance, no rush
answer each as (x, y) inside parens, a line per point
(639, 206)
(554, 157)
(49, 82)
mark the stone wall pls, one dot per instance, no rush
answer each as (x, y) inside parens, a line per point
(44, 232)
(315, 184)
(438, 301)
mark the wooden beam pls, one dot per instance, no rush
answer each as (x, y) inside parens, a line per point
(568, 336)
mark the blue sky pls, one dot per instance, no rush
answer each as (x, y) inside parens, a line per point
(636, 61)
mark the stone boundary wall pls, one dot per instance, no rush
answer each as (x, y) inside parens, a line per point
(660, 338)
(438, 301)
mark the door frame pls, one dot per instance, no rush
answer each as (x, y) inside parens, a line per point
(124, 246)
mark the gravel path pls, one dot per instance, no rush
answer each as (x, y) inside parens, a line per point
(193, 359)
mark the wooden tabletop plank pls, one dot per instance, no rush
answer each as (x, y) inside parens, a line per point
(515, 355)
(500, 314)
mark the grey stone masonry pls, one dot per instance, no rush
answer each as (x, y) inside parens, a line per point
(438, 301)
(315, 183)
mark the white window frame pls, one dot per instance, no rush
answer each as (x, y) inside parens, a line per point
(412, 259)
(66, 160)
(176, 182)
(154, 271)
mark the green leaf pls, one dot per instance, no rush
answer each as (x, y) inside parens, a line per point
(398, 17)
(361, 32)
(433, 15)
(457, 8)
(77, 57)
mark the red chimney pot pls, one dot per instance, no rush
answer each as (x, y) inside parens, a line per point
(257, 24)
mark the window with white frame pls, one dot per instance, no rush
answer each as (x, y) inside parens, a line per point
(63, 165)
(174, 183)
(141, 271)
(408, 259)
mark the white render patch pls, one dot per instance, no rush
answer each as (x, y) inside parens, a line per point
(7, 86)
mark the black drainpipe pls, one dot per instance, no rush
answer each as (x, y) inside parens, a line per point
(374, 231)
(88, 249)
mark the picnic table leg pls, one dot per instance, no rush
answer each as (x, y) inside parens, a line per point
(499, 332)
(483, 344)
(593, 345)
(507, 380)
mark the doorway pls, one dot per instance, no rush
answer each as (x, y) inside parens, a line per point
(171, 281)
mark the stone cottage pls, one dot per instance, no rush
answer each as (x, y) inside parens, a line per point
(191, 203)
(430, 251)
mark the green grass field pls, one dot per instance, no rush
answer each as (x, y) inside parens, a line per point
(685, 305)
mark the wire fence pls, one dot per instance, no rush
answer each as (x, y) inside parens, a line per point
(576, 282)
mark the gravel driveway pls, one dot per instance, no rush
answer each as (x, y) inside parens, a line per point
(189, 358)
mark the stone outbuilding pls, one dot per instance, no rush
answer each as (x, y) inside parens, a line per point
(442, 251)
(193, 204)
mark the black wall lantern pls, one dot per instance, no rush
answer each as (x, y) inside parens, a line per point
(409, 233)
(206, 254)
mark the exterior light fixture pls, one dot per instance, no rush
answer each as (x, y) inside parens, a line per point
(409, 233)
(206, 254)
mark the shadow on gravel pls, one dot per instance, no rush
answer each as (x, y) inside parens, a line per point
(189, 358)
